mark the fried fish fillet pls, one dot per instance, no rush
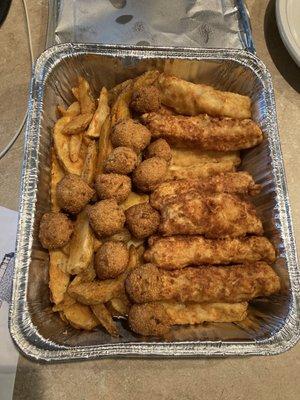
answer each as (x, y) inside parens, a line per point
(204, 132)
(213, 215)
(177, 252)
(186, 157)
(157, 318)
(231, 182)
(204, 170)
(228, 284)
(192, 99)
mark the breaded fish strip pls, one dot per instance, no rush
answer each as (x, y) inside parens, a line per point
(204, 132)
(214, 216)
(231, 182)
(228, 284)
(193, 99)
(157, 318)
(185, 157)
(199, 170)
(177, 252)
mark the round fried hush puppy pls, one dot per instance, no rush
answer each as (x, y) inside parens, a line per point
(142, 220)
(111, 260)
(113, 186)
(146, 99)
(106, 217)
(73, 193)
(55, 230)
(122, 160)
(159, 148)
(139, 281)
(149, 173)
(131, 134)
(150, 319)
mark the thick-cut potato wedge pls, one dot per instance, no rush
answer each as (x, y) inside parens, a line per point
(105, 319)
(74, 146)
(65, 303)
(147, 79)
(80, 317)
(77, 124)
(120, 110)
(133, 199)
(61, 146)
(56, 176)
(100, 115)
(81, 245)
(85, 98)
(75, 91)
(104, 145)
(116, 90)
(120, 307)
(72, 111)
(58, 279)
(58, 257)
(97, 244)
(90, 163)
(97, 292)
(123, 236)
(87, 275)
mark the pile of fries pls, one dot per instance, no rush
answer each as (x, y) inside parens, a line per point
(208, 257)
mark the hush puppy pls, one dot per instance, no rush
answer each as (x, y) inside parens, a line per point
(113, 186)
(73, 193)
(106, 217)
(111, 260)
(122, 160)
(149, 173)
(55, 230)
(146, 99)
(131, 134)
(142, 220)
(159, 148)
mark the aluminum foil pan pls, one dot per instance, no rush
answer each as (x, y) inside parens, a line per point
(273, 323)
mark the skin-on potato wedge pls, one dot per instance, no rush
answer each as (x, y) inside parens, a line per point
(72, 111)
(80, 317)
(74, 146)
(85, 98)
(104, 145)
(97, 244)
(120, 110)
(87, 275)
(133, 199)
(90, 163)
(81, 245)
(77, 124)
(65, 303)
(100, 115)
(58, 279)
(56, 176)
(105, 319)
(120, 307)
(116, 90)
(61, 146)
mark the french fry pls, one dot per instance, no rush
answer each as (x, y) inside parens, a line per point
(120, 110)
(85, 98)
(123, 236)
(87, 275)
(97, 244)
(104, 145)
(77, 124)
(116, 90)
(72, 111)
(133, 199)
(56, 176)
(105, 319)
(58, 279)
(81, 245)
(65, 303)
(120, 306)
(80, 317)
(61, 146)
(74, 146)
(90, 163)
(100, 115)
(75, 91)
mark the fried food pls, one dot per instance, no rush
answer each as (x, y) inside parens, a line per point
(77, 124)
(111, 260)
(87, 275)
(146, 99)
(148, 78)
(74, 147)
(149, 173)
(105, 319)
(192, 99)
(205, 170)
(230, 182)
(73, 110)
(100, 115)
(120, 110)
(80, 317)
(186, 157)
(90, 163)
(159, 148)
(58, 279)
(213, 215)
(85, 98)
(228, 284)
(156, 319)
(56, 175)
(73, 193)
(81, 245)
(204, 132)
(113, 186)
(104, 145)
(130, 133)
(106, 217)
(55, 230)
(122, 160)
(177, 252)
(133, 199)
(120, 307)
(122, 236)
(117, 90)
(142, 220)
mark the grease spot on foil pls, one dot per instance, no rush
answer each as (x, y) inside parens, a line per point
(124, 19)
(118, 3)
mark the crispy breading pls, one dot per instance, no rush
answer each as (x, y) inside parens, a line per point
(105, 319)
(214, 216)
(177, 252)
(192, 99)
(230, 182)
(186, 157)
(229, 284)
(204, 170)
(204, 132)
(156, 319)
